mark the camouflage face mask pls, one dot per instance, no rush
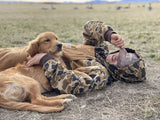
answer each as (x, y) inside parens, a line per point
(125, 59)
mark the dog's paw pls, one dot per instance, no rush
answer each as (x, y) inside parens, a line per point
(70, 96)
(67, 102)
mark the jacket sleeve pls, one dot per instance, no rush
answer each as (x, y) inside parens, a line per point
(61, 79)
(96, 31)
(66, 81)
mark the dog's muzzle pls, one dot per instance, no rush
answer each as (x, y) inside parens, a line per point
(59, 46)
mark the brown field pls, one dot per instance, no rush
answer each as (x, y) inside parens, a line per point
(21, 23)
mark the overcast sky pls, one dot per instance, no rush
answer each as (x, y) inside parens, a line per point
(78, 1)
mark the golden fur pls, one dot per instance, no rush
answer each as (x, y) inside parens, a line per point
(10, 57)
(20, 83)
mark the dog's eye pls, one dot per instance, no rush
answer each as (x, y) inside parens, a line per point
(47, 40)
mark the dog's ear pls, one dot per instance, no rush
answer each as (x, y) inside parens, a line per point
(56, 37)
(33, 48)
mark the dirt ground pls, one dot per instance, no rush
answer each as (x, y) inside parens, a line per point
(20, 23)
(119, 101)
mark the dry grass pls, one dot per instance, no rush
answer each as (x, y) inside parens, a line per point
(20, 23)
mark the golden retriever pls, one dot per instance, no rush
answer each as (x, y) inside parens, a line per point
(20, 83)
(10, 57)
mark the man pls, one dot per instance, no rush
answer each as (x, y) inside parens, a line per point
(103, 66)
(96, 33)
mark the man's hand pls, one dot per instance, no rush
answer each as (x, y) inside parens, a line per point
(117, 40)
(35, 60)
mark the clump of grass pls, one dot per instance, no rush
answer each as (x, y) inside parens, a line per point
(153, 56)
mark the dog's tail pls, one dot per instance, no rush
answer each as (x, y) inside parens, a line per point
(13, 105)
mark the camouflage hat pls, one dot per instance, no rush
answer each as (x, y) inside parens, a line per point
(134, 72)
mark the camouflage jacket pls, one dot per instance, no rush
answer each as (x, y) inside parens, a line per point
(95, 34)
(69, 81)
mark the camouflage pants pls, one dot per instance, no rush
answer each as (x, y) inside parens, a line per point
(68, 81)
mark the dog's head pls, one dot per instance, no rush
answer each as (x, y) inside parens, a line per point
(46, 42)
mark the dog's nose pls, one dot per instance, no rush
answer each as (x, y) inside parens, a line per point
(59, 45)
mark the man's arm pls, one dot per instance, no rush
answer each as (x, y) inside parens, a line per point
(97, 31)
(67, 81)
